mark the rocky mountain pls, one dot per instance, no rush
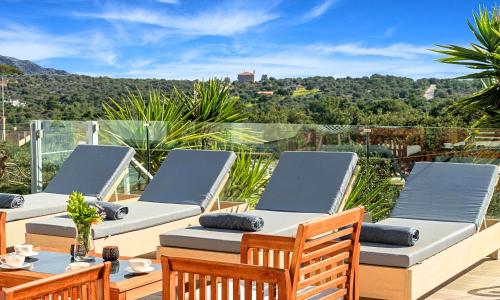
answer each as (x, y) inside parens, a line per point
(28, 67)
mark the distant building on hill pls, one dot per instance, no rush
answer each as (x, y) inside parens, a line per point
(246, 77)
(267, 93)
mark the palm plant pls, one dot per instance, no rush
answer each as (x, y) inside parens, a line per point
(249, 176)
(211, 101)
(155, 124)
(152, 126)
(483, 56)
(210, 104)
(373, 188)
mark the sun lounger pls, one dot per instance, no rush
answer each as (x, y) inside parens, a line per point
(320, 262)
(186, 185)
(92, 170)
(447, 202)
(304, 186)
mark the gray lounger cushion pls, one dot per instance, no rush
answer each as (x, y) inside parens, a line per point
(38, 205)
(449, 192)
(312, 182)
(141, 215)
(223, 240)
(435, 236)
(91, 170)
(190, 177)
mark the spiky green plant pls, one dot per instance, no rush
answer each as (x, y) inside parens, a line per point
(187, 121)
(211, 101)
(373, 188)
(210, 104)
(249, 175)
(157, 119)
(483, 56)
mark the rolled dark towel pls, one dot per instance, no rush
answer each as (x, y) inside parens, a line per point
(388, 234)
(232, 221)
(11, 201)
(113, 211)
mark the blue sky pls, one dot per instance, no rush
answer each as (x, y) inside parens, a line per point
(181, 39)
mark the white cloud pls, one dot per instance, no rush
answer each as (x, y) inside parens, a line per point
(24, 49)
(298, 61)
(224, 59)
(140, 63)
(101, 48)
(220, 22)
(400, 50)
(317, 11)
(389, 32)
(32, 44)
(26, 43)
(169, 1)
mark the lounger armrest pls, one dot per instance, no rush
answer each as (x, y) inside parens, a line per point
(200, 274)
(252, 241)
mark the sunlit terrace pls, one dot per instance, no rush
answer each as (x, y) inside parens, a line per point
(142, 157)
(385, 159)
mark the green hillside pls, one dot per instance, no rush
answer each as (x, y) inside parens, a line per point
(382, 100)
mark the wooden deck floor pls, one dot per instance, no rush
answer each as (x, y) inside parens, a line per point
(482, 281)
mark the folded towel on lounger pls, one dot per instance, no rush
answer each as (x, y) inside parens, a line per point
(113, 211)
(11, 201)
(232, 221)
(388, 234)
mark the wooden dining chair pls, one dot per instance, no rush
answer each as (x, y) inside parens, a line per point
(186, 278)
(321, 261)
(91, 283)
(3, 237)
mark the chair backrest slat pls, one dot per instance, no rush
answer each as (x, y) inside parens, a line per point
(80, 284)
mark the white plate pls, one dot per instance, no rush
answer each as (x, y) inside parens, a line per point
(9, 267)
(32, 254)
(146, 270)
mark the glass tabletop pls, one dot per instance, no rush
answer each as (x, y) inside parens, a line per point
(56, 263)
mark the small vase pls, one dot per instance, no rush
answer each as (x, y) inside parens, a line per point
(83, 250)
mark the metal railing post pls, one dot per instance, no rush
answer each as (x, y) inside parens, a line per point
(147, 125)
(366, 132)
(36, 133)
(92, 133)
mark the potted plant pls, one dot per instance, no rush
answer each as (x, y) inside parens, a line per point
(84, 216)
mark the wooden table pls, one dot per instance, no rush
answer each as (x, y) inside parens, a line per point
(123, 286)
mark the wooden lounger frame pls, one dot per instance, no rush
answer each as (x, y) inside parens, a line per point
(17, 229)
(138, 242)
(227, 256)
(3, 245)
(418, 280)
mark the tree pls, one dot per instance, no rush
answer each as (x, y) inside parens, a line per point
(157, 123)
(483, 56)
(9, 70)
